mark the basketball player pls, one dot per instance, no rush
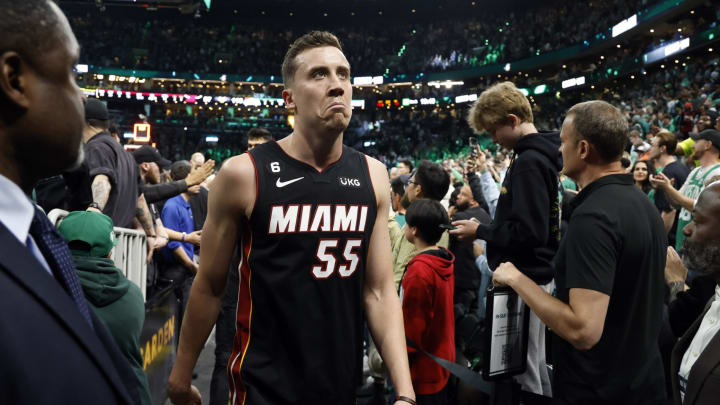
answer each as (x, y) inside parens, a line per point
(314, 261)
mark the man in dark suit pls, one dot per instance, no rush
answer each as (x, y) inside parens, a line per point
(695, 364)
(53, 349)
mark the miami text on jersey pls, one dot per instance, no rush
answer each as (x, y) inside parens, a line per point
(317, 218)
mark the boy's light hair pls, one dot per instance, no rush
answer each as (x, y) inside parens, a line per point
(495, 103)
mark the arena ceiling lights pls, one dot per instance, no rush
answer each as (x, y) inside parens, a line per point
(447, 84)
(576, 81)
(193, 98)
(665, 51)
(466, 98)
(624, 25)
(367, 80)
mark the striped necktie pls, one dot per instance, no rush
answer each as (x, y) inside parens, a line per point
(56, 252)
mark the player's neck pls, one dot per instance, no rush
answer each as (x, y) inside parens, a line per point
(318, 151)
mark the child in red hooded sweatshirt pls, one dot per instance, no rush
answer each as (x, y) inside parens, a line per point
(427, 301)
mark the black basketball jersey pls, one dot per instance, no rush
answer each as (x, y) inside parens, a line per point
(300, 306)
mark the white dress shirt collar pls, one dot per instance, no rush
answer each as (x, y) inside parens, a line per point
(16, 209)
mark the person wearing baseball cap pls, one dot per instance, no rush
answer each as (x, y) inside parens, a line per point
(706, 150)
(710, 135)
(150, 162)
(112, 171)
(148, 154)
(115, 300)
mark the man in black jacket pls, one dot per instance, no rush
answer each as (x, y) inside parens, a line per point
(526, 227)
(467, 275)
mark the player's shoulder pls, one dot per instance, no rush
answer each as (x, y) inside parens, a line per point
(235, 185)
(237, 170)
(374, 165)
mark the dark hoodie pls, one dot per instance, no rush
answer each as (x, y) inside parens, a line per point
(526, 227)
(121, 307)
(427, 303)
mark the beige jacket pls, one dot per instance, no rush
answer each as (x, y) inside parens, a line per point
(403, 250)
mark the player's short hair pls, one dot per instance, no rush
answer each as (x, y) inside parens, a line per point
(603, 126)
(311, 40)
(495, 104)
(433, 179)
(427, 215)
(667, 139)
(260, 133)
(28, 27)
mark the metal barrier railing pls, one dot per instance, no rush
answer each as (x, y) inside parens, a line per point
(129, 255)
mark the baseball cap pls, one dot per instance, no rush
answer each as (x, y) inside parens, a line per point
(147, 153)
(96, 110)
(709, 135)
(91, 227)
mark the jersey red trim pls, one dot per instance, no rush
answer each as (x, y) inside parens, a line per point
(372, 186)
(257, 183)
(308, 165)
(243, 321)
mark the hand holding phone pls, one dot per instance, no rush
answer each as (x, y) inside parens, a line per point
(473, 143)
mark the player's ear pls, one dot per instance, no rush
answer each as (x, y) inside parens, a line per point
(287, 95)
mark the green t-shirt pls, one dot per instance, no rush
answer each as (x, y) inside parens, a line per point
(694, 184)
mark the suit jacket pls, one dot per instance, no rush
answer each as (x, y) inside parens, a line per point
(48, 352)
(703, 385)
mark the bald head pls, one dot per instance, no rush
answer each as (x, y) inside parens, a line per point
(710, 197)
(41, 106)
(701, 247)
(197, 159)
(32, 28)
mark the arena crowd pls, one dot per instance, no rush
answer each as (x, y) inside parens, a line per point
(599, 208)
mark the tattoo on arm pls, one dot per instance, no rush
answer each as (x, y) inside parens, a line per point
(101, 190)
(675, 288)
(142, 214)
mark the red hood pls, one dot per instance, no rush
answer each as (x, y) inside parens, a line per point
(439, 260)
